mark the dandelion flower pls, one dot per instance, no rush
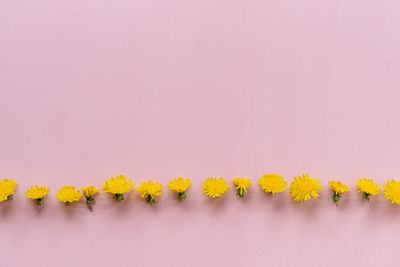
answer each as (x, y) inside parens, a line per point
(118, 186)
(304, 187)
(69, 194)
(88, 193)
(241, 185)
(180, 186)
(150, 190)
(7, 189)
(273, 183)
(214, 187)
(368, 188)
(392, 191)
(38, 193)
(338, 189)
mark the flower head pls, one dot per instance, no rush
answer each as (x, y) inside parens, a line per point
(38, 193)
(304, 187)
(214, 187)
(149, 190)
(368, 188)
(392, 191)
(338, 189)
(7, 189)
(241, 185)
(118, 186)
(180, 186)
(88, 193)
(273, 183)
(69, 194)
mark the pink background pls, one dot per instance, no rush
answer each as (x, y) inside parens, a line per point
(162, 89)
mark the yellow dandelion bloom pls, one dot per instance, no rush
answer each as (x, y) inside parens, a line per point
(118, 186)
(392, 191)
(273, 183)
(338, 189)
(149, 190)
(88, 193)
(368, 188)
(69, 194)
(180, 186)
(214, 187)
(7, 189)
(304, 187)
(241, 185)
(37, 193)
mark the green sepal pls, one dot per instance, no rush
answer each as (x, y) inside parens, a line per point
(240, 192)
(119, 197)
(89, 203)
(150, 199)
(39, 201)
(336, 197)
(366, 195)
(181, 196)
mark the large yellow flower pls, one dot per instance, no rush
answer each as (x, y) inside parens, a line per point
(241, 185)
(38, 193)
(180, 186)
(149, 190)
(7, 189)
(338, 189)
(304, 187)
(368, 188)
(392, 191)
(214, 187)
(69, 194)
(118, 186)
(89, 193)
(273, 183)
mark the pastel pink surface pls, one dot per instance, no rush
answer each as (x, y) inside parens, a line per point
(162, 89)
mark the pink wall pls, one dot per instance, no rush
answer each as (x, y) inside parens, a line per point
(161, 89)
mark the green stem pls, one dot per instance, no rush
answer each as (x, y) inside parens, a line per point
(336, 197)
(40, 200)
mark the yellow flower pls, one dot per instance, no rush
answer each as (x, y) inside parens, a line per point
(7, 189)
(89, 193)
(214, 187)
(241, 185)
(304, 187)
(38, 193)
(118, 186)
(180, 186)
(149, 190)
(273, 183)
(69, 194)
(392, 191)
(368, 188)
(338, 189)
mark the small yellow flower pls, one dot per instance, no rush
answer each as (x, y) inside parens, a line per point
(273, 183)
(69, 194)
(214, 187)
(338, 189)
(304, 187)
(118, 186)
(149, 190)
(88, 193)
(368, 188)
(7, 189)
(38, 193)
(241, 185)
(180, 186)
(392, 191)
